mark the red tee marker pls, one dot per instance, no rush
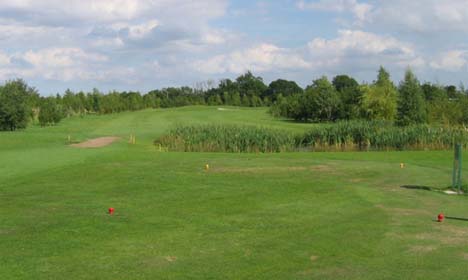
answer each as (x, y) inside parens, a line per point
(440, 218)
(111, 211)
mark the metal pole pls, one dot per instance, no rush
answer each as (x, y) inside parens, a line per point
(459, 179)
(455, 168)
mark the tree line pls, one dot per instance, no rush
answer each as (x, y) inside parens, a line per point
(342, 98)
(345, 99)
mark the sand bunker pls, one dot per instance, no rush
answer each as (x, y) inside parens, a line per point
(96, 143)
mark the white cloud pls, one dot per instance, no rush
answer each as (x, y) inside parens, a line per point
(4, 59)
(415, 15)
(359, 10)
(157, 40)
(62, 64)
(360, 41)
(451, 61)
(139, 31)
(61, 57)
(261, 58)
(361, 49)
(351, 48)
(99, 40)
(214, 37)
(116, 74)
(20, 35)
(422, 15)
(100, 43)
(56, 11)
(103, 10)
(10, 29)
(116, 23)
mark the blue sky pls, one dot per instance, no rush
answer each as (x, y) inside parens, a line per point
(147, 44)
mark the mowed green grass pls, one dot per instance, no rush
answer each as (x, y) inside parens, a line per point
(251, 216)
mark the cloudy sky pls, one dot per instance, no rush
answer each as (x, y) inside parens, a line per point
(146, 44)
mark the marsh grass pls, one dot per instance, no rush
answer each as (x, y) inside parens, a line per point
(341, 136)
(378, 136)
(228, 138)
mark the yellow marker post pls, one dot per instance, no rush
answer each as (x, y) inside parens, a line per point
(402, 165)
(207, 167)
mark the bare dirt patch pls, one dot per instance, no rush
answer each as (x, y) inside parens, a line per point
(325, 168)
(398, 212)
(356, 180)
(453, 235)
(422, 249)
(258, 169)
(96, 143)
(445, 234)
(272, 169)
(6, 231)
(171, 258)
(313, 258)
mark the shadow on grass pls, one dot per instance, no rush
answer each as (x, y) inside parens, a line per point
(447, 190)
(422, 188)
(456, 218)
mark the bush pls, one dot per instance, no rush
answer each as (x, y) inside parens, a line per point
(50, 113)
(16, 100)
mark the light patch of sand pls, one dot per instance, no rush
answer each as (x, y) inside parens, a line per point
(450, 192)
(226, 109)
(96, 143)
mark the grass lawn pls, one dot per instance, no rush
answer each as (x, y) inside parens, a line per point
(251, 216)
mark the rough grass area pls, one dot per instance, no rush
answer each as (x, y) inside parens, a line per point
(228, 138)
(340, 136)
(250, 216)
(379, 135)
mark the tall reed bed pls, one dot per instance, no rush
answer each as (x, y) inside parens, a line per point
(364, 136)
(341, 136)
(228, 138)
